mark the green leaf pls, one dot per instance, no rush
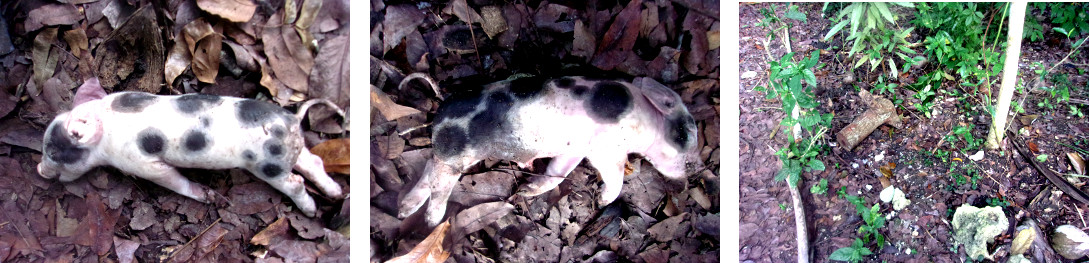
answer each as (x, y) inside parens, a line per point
(884, 10)
(1041, 158)
(904, 4)
(792, 13)
(835, 29)
(809, 77)
(846, 254)
(1078, 44)
(1062, 31)
(816, 165)
(856, 17)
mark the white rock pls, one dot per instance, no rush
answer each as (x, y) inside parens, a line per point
(976, 157)
(748, 74)
(896, 197)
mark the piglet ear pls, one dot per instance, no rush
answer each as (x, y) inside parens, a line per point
(663, 98)
(83, 124)
(89, 91)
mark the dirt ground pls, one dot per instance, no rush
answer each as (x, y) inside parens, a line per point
(921, 232)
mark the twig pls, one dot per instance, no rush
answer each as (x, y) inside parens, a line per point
(171, 257)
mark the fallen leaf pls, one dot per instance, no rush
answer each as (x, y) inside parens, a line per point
(461, 9)
(476, 217)
(429, 250)
(400, 20)
(335, 154)
(45, 61)
(308, 13)
(143, 216)
(177, 61)
(1032, 147)
(233, 10)
(273, 232)
(243, 56)
(1077, 162)
(584, 41)
(385, 106)
(77, 41)
(305, 226)
(330, 80)
(51, 15)
(205, 44)
(669, 229)
(125, 249)
(252, 198)
(280, 58)
(616, 45)
(493, 23)
(5, 38)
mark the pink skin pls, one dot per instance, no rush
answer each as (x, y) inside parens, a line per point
(110, 138)
(605, 146)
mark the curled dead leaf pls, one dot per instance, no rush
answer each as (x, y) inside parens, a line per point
(389, 109)
(476, 217)
(77, 40)
(1077, 162)
(274, 230)
(45, 61)
(429, 250)
(233, 10)
(308, 13)
(51, 15)
(335, 154)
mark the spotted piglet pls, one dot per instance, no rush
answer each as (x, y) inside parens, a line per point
(148, 136)
(569, 119)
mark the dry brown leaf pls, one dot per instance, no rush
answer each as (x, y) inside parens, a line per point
(274, 230)
(476, 217)
(494, 22)
(291, 12)
(330, 80)
(302, 55)
(77, 40)
(583, 44)
(461, 9)
(233, 10)
(669, 229)
(242, 56)
(125, 249)
(617, 43)
(399, 22)
(206, 58)
(282, 62)
(429, 250)
(1077, 162)
(45, 61)
(51, 15)
(335, 153)
(177, 61)
(385, 106)
(308, 13)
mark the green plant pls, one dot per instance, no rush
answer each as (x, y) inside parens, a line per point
(853, 253)
(877, 34)
(873, 221)
(773, 23)
(883, 87)
(1032, 31)
(1074, 111)
(967, 175)
(926, 100)
(958, 38)
(971, 143)
(1041, 158)
(783, 206)
(785, 81)
(820, 188)
(1068, 17)
(991, 201)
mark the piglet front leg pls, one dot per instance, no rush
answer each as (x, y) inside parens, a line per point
(313, 168)
(611, 168)
(165, 175)
(558, 169)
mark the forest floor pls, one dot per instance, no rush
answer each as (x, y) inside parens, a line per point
(936, 175)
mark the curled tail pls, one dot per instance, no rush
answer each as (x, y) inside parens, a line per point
(306, 105)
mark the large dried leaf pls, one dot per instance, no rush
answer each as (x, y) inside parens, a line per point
(330, 80)
(300, 53)
(430, 250)
(584, 42)
(233, 10)
(45, 61)
(204, 44)
(617, 43)
(177, 61)
(475, 218)
(5, 37)
(461, 9)
(125, 249)
(51, 15)
(389, 109)
(272, 233)
(399, 22)
(282, 62)
(244, 57)
(335, 154)
(308, 13)
(77, 41)
(494, 22)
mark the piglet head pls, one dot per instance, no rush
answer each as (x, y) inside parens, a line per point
(71, 136)
(674, 154)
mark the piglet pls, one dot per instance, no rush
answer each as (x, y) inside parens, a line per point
(147, 136)
(568, 119)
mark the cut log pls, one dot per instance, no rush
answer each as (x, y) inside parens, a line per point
(881, 111)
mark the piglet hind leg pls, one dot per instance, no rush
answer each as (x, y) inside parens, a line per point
(419, 193)
(444, 179)
(313, 168)
(166, 176)
(288, 183)
(557, 171)
(611, 168)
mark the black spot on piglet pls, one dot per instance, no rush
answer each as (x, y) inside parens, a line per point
(608, 102)
(62, 149)
(132, 102)
(249, 155)
(195, 140)
(190, 103)
(271, 170)
(527, 87)
(254, 113)
(565, 82)
(151, 141)
(274, 148)
(678, 130)
(449, 141)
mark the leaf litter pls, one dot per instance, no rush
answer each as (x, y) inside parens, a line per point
(48, 49)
